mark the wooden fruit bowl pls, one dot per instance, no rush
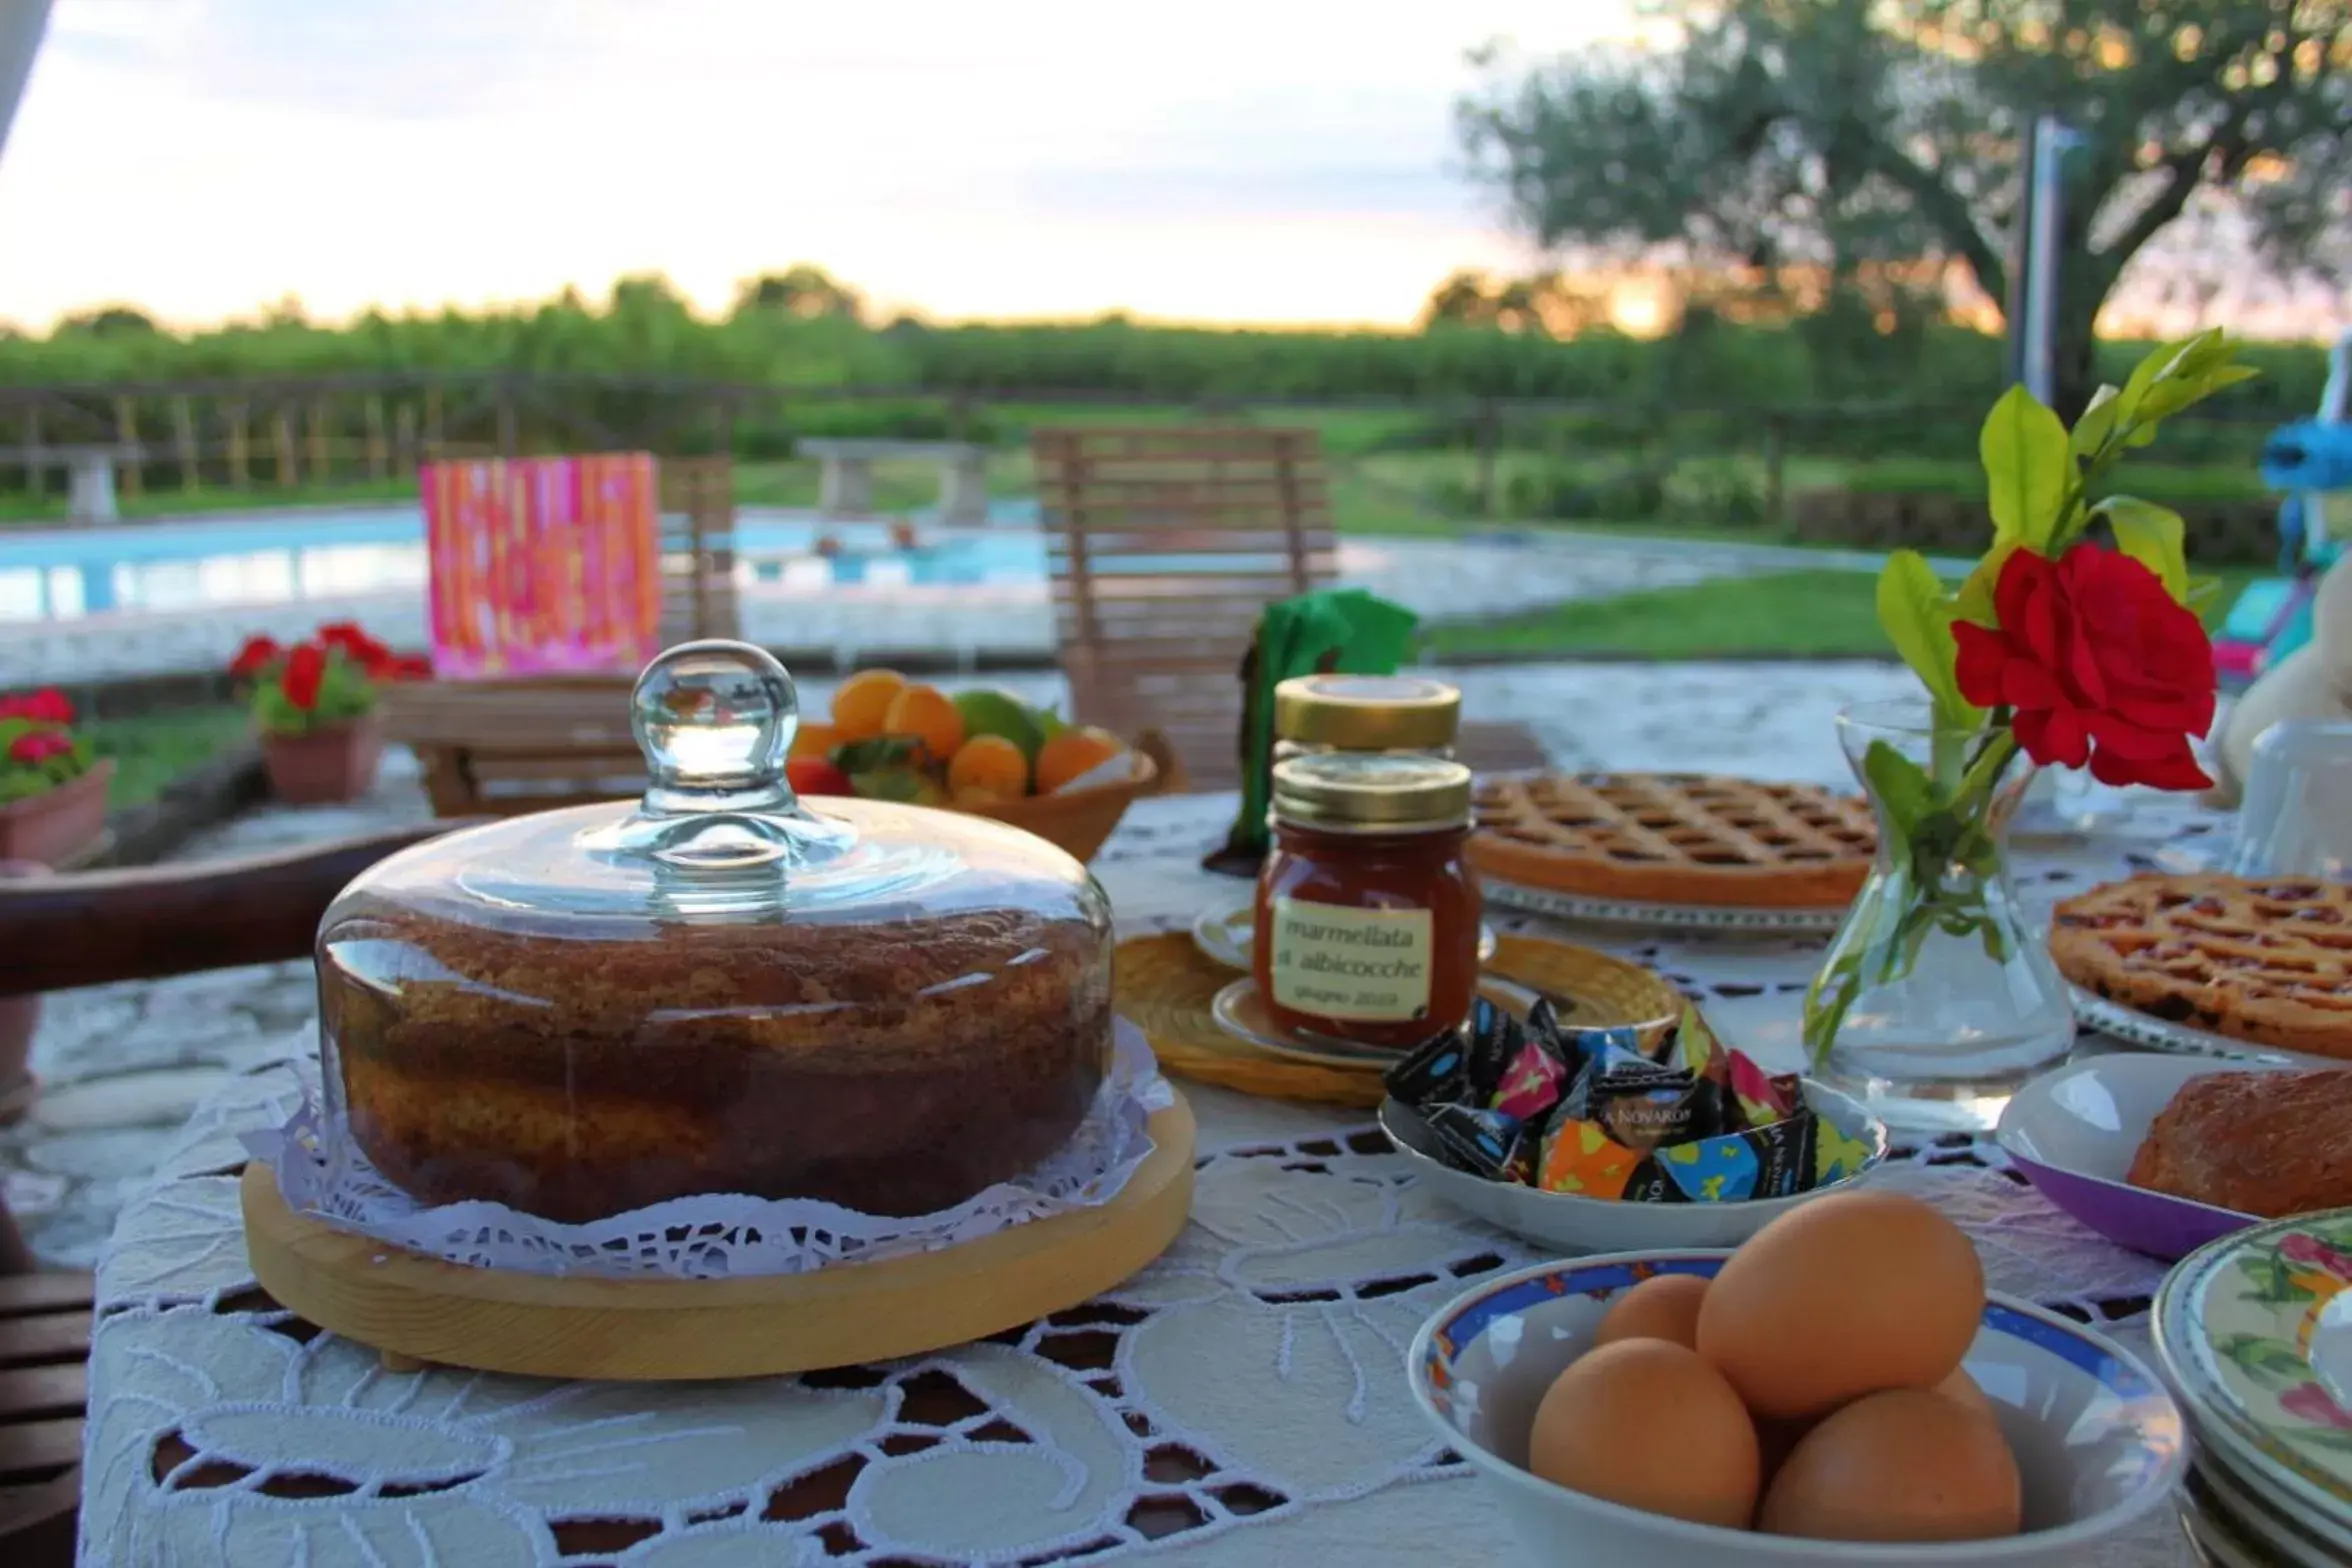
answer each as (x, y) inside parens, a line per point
(1079, 821)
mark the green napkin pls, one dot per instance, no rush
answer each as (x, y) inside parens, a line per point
(1332, 630)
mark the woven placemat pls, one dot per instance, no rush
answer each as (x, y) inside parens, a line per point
(1166, 985)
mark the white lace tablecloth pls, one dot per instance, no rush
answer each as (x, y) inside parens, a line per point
(1241, 1402)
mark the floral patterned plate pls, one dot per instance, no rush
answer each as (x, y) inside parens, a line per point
(2256, 1332)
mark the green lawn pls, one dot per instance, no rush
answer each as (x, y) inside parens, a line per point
(151, 750)
(1806, 614)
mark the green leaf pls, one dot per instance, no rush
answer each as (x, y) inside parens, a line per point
(2158, 364)
(2202, 592)
(2097, 422)
(2026, 464)
(1974, 602)
(1910, 597)
(2152, 535)
(1899, 785)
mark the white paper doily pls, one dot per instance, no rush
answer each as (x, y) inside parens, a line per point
(711, 1235)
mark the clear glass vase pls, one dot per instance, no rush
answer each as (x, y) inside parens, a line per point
(1938, 996)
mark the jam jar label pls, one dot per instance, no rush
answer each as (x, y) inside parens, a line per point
(1335, 962)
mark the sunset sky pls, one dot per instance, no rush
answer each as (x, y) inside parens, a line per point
(1237, 160)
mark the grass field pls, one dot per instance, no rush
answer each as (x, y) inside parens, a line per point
(151, 750)
(1803, 614)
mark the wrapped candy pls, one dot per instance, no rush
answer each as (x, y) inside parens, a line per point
(1608, 1113)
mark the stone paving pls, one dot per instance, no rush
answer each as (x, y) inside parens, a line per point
(123, 1065)
(1442, 580)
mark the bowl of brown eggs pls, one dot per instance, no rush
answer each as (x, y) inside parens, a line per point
(1841, 1391)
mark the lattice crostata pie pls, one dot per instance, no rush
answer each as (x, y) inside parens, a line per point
(2267, 960)
(1675, 838)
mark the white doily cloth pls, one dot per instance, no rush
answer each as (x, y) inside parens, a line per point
(714, 1235)
(1240, 1404)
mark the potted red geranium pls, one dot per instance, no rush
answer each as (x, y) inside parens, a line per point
(52, 786)
(314, 707)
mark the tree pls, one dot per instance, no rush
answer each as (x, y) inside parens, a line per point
(800, 290)
(1835, 137)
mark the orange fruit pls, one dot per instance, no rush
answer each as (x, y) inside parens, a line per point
(978, 797)
(815, 740)
(861, 704)
(990, 764)
(924, 713)
(1073, 752)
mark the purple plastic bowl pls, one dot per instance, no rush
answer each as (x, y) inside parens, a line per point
(2152, 1222)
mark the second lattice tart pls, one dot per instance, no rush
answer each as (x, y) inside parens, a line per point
(2266, 960)
(1675, 838)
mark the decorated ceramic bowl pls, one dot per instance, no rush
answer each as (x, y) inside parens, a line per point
(1575, 1223)
(2073, 1134)
(2256, 1332)
(2099, 1442)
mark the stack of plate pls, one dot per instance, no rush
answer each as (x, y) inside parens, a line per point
(2255, 1331)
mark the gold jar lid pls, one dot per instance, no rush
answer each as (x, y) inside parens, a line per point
(1366, 792)
(1367, 712)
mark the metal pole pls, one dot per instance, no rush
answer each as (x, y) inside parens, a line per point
(2051, 139)
(21, 24)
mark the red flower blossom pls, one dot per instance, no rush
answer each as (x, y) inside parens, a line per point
(2097, 663)
(49, 706)
(257, 655)
(38, 746)
(357, 645)
(306, 666)
(415, 668)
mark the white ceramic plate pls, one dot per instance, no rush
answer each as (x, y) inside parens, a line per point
(1659, 917)
(1241, 1013)
(1580, 1224)
(2157, 1034)
(2075, 1132)
(2223, 1496)
(2245, 1329)
(1226, 936)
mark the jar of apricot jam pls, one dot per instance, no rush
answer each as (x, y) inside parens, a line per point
(1367, 910)
(1315, 714)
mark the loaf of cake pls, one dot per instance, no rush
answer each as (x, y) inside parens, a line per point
(892, 1068)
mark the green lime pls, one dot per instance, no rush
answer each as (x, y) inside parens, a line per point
(997, 713)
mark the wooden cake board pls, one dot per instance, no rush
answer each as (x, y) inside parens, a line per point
(420, 1310)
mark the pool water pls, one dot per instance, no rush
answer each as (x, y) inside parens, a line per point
(65, 574)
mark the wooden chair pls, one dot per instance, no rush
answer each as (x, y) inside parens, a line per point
(93, 928)
(1166, 545)
(500, 747)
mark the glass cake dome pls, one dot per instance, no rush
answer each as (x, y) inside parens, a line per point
(717, 989)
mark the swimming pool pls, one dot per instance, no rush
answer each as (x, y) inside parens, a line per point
(66, 574)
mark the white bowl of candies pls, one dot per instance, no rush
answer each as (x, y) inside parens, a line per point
(1599, 1140)
(1839, 1391)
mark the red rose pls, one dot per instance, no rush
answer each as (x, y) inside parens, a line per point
(306, 666)
(2098, 664)
(257, 655)
(409, 669)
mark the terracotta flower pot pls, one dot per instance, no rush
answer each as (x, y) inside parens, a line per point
(325, 767)
(57, 825)
(20, 1016)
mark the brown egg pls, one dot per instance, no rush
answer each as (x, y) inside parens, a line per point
(1665, 1307)
(1905, 1465)
(1651, 1425)
(1775, 1441)
(1849, 1295)
(1962, 1389)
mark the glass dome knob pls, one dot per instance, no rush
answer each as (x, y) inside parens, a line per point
(715, 720)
